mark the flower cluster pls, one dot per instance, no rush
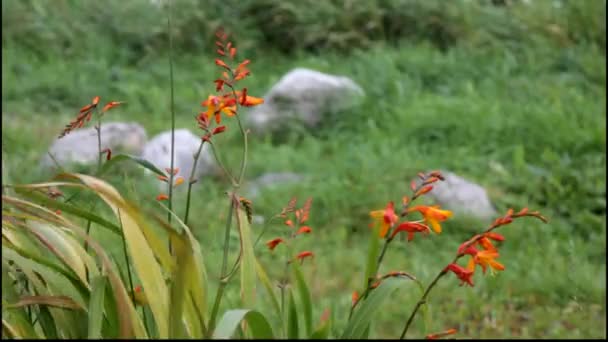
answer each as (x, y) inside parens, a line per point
(296, 223)
(86, 113)
(482, 251)
(225, 102)
(386, 218)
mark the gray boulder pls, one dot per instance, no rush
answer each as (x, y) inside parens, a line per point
(303, 95)
(463, 197)
(81, 147)
(158, 152)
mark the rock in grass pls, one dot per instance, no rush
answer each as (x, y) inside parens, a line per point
(158, 152)
(304, 96)
(463, 197)
(81, 147)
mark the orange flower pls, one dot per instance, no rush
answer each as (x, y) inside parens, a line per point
(441, 334)
(273, 243)
(249, 101)
(221, 63)
(423, 191)
(306, 210)
(305, 229)
(111, 105)
(432, 215)
(217, 105)
(218, 130)
(304, 255)
(289, 223)
(178, 181)
(462, 273)
(410, 228)
(162, 197)
(486, 258)
(95, 101)
(386, 218)
(355, 297)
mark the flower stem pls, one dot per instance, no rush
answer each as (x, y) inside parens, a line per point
(223, 282)
(421, 302)
(171, 176)
(191, 181)
(219, 162)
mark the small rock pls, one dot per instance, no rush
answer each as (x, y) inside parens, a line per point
(158, 152)
(269, 180)
(81, 147)
(303, 95)
(462, 197)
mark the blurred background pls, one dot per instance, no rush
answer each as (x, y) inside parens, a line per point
(509, 95)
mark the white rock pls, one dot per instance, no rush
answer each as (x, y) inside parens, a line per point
(81, 146)
(158, 152)
(462, 197)
(303, 95)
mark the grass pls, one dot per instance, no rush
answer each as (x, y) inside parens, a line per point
(527, 123)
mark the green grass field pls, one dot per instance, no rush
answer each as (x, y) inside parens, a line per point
(527, 123)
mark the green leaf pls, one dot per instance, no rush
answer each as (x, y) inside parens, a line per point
(65, 207)
(227, 326)
(305, 298)
(372, 255)
(292, 318)
(269, 289)
(126, 157)
(96, 307)
(142, 254)
(366, 310)
(63, 302)
(248, 262)
(195, 277)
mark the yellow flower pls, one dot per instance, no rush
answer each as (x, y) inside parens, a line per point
(432, 215)
(385, 217)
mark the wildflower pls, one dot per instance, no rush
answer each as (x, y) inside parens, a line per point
(304, 230)
(289, 208)
(289, 223)
(462, 273)
(304, 255)
(218, 130)
(410, 228)
(486, 258)
(386, 218)
(111, 105)
(355, 297)
(306, 210)
(441, 334)
(432, 215)
(84, 115)
(273, 243)
(162, 197)
(249, 101)
(178, 181)
(423, 191)
(162, 178)
(221, 63)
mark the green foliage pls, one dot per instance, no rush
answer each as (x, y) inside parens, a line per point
(513, 98)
